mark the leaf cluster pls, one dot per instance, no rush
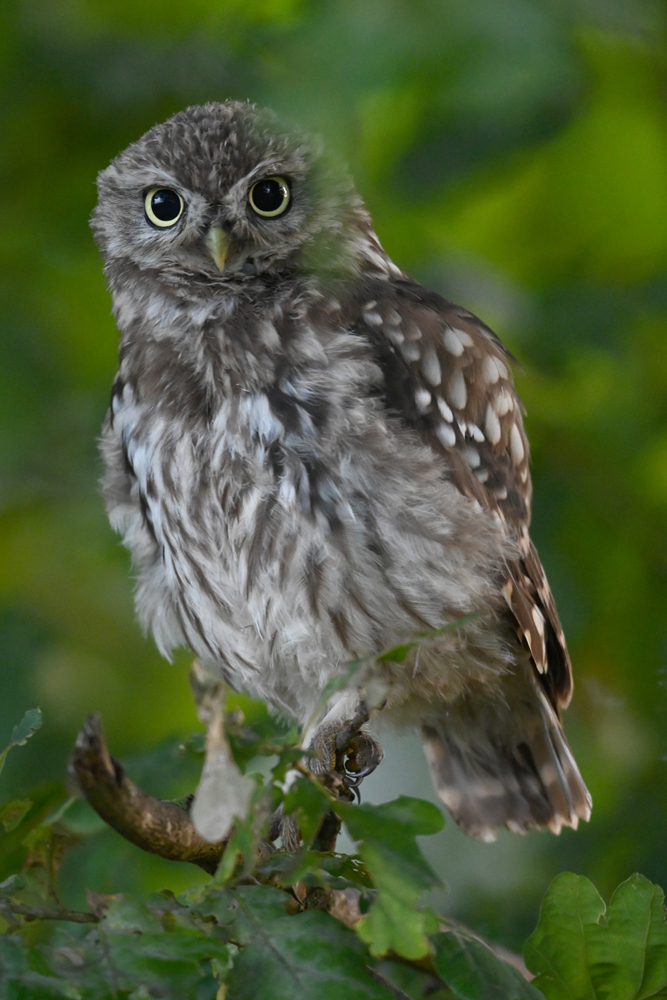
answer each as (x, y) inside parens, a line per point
(307, 924)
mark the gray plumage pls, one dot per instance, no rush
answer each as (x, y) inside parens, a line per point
(311, 458)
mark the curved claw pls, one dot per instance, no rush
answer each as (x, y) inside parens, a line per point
(354, 778)
(362, 756)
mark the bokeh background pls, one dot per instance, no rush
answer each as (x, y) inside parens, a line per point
(514, 156)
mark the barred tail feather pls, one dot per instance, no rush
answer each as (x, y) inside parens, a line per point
(493, 766)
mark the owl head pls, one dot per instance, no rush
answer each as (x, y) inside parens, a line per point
(221, 194)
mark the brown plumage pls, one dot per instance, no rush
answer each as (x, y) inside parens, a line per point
(312, 457)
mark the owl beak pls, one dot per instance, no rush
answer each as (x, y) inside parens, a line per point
(217, 243)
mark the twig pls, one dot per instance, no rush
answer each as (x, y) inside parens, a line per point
(155, 825)
(30, 913)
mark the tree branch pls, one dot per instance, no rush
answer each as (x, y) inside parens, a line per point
(164, 828)
(155, 825)
(37, 913)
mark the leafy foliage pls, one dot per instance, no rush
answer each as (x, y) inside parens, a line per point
(27, 727)
(513, 155)
(471, 970)
(582, 950)
(387, 847)
(311, 924)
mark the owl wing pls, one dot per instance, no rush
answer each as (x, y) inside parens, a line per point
(448, 376)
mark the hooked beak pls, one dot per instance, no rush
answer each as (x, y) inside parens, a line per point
(217, 243)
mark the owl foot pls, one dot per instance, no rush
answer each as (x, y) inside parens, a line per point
(361, 756)
(341, 764)
(351, 757)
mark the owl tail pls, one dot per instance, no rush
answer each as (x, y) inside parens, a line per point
(495, 765)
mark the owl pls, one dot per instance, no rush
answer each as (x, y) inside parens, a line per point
(311, 458)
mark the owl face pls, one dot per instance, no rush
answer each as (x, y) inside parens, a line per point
(221, 194)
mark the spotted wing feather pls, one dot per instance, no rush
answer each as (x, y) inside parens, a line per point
(449, 376)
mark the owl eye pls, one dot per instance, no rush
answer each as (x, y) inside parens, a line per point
(270, 196)
(163, 207)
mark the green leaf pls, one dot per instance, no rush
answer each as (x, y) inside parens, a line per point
(399, 654)
(246, 836)
(556, 950)
(12, 813)
(414, 983)
(473, 972)
(27, 727)
(155, 949)
(129, 915)
(241, 910)
(170, 964)
(400, 873)
(252, 731)
(579, 951)
(309, 956)
(18, 981)
(21, 733)
(337, 871)
(308, 800)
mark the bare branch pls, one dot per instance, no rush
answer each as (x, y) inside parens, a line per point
(155, 825)
(37, 913)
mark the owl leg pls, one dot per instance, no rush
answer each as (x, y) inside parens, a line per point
(342, 747)
(341, 742)
(353, 757)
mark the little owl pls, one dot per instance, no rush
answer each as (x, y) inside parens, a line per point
(312, 458)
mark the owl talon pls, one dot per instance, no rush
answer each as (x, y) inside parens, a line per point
(360, 758)
(342, 772)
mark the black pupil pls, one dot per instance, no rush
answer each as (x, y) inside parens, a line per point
(166, 205)
(268, 195)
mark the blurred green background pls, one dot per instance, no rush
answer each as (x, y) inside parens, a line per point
(514, 156)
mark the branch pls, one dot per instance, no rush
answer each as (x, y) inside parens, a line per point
(155, 825)
(36, 913)
(164, 828)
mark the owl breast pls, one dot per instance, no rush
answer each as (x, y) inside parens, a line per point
(283, 536)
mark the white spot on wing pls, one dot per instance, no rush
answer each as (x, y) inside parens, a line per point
(410, 351)
(452, 343)
(413, 332)
(489, 369)
(445, 410)
(373, 318)
(430, 367)
(516, 445)
(503, 403)
(446, 435)
(464, 337)
(395, 336)
(422, 399)
(471, 456)
(492, 425)
(458, 394)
